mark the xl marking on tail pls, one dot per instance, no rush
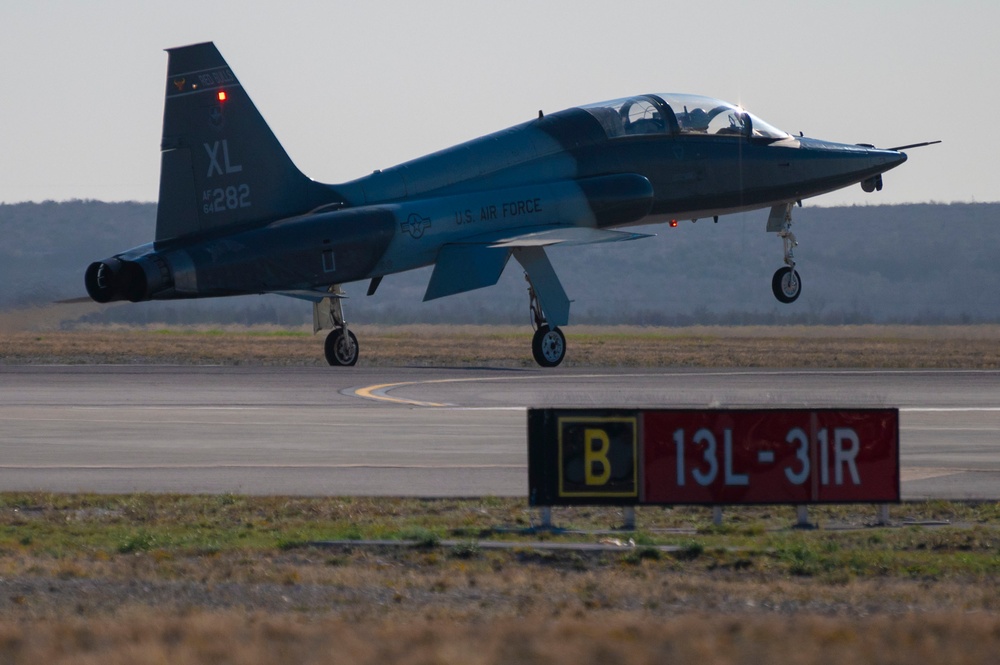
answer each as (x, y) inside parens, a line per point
(213, 155)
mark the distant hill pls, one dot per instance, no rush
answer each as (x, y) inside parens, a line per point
(921, 263)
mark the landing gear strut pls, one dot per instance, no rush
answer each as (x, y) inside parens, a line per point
(785, 284)
(548, 346)
(341, 347)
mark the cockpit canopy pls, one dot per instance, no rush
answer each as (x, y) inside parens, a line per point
(679, 114)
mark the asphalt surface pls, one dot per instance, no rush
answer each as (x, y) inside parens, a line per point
(423, 431)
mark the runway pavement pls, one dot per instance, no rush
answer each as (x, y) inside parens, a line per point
(422, 431)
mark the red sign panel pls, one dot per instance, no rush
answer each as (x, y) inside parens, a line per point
(770, 456)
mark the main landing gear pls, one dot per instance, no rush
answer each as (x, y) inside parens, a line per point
(785, 284)
(341, 347)
(548, 346)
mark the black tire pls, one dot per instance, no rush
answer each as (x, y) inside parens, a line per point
(548, 346)
(340, 350)
(786, 285)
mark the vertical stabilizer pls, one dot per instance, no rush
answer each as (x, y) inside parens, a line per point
(221, 166)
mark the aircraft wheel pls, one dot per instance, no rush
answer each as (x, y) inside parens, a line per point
(786, 285)
(341, 350)
(548, 346)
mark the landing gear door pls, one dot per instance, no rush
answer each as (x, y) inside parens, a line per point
(779, 214)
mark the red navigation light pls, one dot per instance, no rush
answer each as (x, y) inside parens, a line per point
(222, 95)
(673, 223)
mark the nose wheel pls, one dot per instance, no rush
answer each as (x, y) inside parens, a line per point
(786, 284)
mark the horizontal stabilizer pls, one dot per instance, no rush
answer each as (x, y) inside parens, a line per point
(73, 301)
(461, 268)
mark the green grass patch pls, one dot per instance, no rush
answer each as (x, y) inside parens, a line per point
(965, 543)
(189, 332)
(279, 333)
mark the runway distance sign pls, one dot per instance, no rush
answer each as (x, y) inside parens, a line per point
(712, 456)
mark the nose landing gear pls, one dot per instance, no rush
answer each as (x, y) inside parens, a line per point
(785, 284)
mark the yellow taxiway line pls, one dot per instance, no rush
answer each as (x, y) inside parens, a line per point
(379, 391)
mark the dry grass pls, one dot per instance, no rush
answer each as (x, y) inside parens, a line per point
(153, 579)
(967, 347)
(237, 638)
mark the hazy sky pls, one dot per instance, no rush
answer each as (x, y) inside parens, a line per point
(351, 87)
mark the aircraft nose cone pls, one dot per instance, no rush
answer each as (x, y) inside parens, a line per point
(826, 166)
(870, 158)
(890, 158)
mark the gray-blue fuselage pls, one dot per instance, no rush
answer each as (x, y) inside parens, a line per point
(565, 177)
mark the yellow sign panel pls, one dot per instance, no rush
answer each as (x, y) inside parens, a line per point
(598, 456)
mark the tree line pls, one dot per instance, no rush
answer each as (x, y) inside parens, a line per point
(917, 263)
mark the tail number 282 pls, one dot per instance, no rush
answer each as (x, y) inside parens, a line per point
(222, 199)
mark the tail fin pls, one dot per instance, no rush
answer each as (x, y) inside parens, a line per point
(221, 166)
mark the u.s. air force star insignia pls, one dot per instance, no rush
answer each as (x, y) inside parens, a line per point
(415, 225)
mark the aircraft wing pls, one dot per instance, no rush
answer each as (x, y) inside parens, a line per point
(557, 235)
(478, 261)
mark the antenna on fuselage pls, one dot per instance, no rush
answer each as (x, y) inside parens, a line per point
(912, 145)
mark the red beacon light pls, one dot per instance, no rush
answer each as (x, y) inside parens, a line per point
(673, 223)
(222, 95)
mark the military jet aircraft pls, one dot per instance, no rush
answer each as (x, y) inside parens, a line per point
(235, 216)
